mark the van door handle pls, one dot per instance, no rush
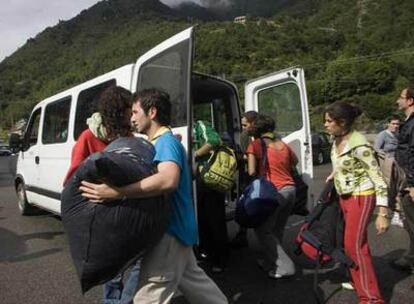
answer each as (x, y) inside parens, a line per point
(37, 159)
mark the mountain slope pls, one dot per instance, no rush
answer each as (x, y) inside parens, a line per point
(107, 35)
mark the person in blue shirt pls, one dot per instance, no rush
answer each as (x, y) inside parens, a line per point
(387, 140)
(171, 264)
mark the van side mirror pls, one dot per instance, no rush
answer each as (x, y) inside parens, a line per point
(15, 142)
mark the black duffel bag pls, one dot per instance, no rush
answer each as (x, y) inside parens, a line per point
(105, 239)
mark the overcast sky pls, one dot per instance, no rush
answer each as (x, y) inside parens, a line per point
(24, 19)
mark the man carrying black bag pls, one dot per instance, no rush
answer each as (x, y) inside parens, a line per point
(171, 264)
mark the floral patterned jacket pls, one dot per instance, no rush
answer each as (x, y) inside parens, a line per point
(356, 170)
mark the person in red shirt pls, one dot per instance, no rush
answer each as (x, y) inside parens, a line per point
(110, 122)
(281, 160)
(113, 120)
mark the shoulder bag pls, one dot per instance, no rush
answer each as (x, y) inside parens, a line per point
(259, 199)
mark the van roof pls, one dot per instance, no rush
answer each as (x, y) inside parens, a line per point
(90, 83)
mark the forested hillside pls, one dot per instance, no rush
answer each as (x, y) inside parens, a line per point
(359, 50)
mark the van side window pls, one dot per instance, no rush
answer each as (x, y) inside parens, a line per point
(32, 132)
(283, 104)
(56, 121)
(87, 104)
(169, 71)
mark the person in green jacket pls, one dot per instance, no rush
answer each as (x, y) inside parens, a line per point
(211, 211)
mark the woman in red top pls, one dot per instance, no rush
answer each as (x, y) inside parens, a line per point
(281, 160)
(110, 122)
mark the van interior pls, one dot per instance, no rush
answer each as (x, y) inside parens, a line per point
(216, 101)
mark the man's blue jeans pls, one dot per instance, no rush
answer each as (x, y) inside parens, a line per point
(116, 292)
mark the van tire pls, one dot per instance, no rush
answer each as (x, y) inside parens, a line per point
(24, 207)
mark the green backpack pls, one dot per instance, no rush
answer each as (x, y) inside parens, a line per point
(219, 171)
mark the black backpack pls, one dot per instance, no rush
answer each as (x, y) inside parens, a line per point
(321, 236)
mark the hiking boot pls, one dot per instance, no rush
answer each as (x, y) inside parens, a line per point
(402, 264)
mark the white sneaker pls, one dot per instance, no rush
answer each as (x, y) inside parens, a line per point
(347, 286)
(397, 220)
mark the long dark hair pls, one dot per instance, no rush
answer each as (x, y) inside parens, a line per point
(113, 105)
(250, 116)
(263, 124)
(343, 112)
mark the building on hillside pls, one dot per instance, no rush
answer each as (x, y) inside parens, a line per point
(240, 19)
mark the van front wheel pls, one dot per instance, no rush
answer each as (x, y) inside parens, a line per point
(24, 207)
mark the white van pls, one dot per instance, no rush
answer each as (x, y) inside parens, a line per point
(56, 122)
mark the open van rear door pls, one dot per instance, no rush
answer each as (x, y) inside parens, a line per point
(168, 67)
(282, 95)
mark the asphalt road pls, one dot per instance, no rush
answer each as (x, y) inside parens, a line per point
(35, 265)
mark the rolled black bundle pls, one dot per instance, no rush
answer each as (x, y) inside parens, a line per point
(106, 238)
